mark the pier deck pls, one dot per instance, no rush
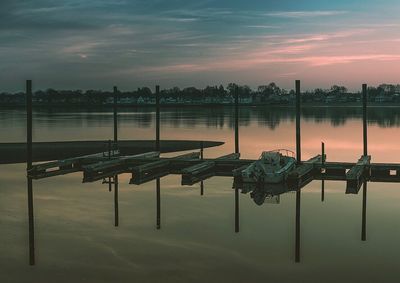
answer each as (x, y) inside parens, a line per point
(149, 166)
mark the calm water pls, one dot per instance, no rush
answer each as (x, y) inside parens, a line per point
(76, 240)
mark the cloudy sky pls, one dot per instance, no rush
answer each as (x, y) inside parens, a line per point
(100, 43)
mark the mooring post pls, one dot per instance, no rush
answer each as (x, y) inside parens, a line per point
(158, 193)
(157, 118)
(116, 207)
(323, 163)
(237, 119)
(365, 152)
(29, 126)
(364, 93)
(298, 157)
(298, 116)
(201, 157)
(236, 151)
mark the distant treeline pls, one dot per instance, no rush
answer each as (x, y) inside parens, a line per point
(264, 94)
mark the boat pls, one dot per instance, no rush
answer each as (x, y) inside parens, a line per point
(271, 168)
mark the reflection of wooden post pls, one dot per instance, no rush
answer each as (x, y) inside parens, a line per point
(323, 163)
(29, 167)
(201, 157)
(365, 151)
(364, 213)
(298, 156)
(158, 193)
(297, 243)
(158, 196)
(236, 151)
(116, 211)
(109, 157)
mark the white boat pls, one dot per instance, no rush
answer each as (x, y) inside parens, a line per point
(271, 168)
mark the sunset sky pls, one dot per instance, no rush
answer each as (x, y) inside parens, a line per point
(96, 44)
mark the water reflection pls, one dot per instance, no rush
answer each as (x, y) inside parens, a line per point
(211, 117)
(262, 193)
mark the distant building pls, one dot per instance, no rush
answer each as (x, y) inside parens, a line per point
(383, 98)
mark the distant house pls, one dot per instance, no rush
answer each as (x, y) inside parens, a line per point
(383, 98)
(330, 98)
(245, 100)
(229, 99)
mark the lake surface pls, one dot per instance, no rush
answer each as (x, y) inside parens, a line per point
(77, 242)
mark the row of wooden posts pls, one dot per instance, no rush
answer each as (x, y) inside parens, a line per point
(114, 180)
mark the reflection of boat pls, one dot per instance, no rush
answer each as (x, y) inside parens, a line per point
(264, 193)
(271, 168)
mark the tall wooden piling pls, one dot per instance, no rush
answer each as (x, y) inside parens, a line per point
(237, 119)
(364, 99)
(29, 126)
(158, 193)
(365, 152)
(323, 162)
(116, 207)
(298, 116)
(298, 157)
(157, 118)
(236, 151)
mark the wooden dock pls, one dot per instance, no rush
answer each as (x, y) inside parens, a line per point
(148, 165)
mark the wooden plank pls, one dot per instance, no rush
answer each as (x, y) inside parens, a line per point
(150, 166)
(357, 174)
(230, 156)
(303, 173)
(125, 160)
(109, 168)
(67, 166)
(157, 169)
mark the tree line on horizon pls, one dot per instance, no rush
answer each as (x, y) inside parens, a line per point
(261, 94)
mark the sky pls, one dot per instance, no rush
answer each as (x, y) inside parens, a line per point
(96, 44)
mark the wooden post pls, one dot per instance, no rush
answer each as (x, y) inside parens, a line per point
(364, 93)
(116, 207)
(323, 162)
(365, 152)
(298, 116)
(237, 119)
(298, 157)
(29, 158)
(157, 118)
(201, 157)
(236, 151)
(158, 193)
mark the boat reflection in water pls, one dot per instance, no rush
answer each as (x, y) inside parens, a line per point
(262, 192)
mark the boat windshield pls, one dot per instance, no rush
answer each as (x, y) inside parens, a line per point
(281, 152)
